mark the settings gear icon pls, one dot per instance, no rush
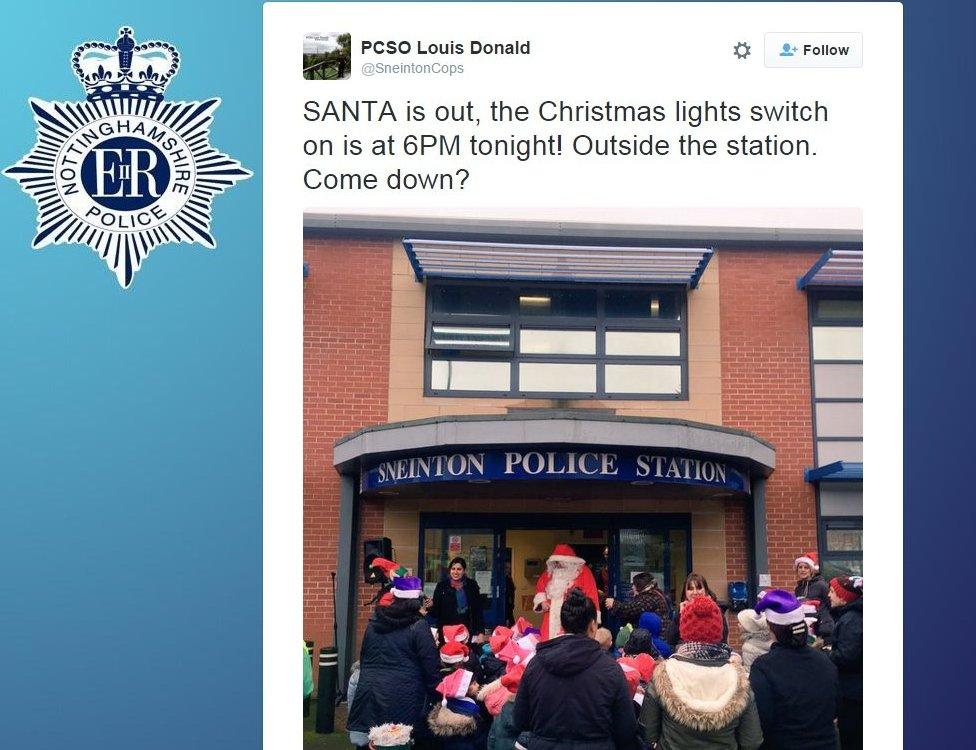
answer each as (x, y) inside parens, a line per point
(742, 50)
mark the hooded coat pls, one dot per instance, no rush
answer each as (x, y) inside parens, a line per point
(693, 705)
(573, 696)
(398, 671)
(846, 651)
(797, 694)
(756, 638)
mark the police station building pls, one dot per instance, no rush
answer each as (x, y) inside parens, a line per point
(661, 398)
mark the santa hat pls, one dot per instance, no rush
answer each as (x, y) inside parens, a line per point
(512, 653)
(453, 652)
(780, 607)
(455, 685)
(457, 633)
(701, 620)
(563, 553)
(499, 637)
(389, 568)
(386, 600)
(391, 736)
(631, 673)
(810, 558)
(645, 665)
(409, 587)
(847, 588)
(522, 626)
(512, 677)
(751, 621)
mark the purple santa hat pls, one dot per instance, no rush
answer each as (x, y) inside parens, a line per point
(408, 587)
(780, 607)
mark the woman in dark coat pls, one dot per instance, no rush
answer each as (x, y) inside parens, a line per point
(695, 585)
(457, 601)
(796, 687)
(399, 665)
(573, 695)
(846, 651)
(810, 585)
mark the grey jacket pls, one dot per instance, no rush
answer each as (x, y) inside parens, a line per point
(723, 715)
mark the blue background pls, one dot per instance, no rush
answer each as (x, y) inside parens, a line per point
(130, 422)
(130, 427)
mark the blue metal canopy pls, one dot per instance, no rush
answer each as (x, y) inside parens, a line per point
(838, 471)
(835, 268)
(527, 262)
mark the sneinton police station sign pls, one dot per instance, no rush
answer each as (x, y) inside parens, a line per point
(500, 465)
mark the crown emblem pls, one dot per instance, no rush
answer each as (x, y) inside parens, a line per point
(125, 70)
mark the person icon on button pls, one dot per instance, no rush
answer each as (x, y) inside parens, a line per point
(788, 50)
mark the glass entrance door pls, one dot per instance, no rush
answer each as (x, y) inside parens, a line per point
(662, 552)
(481, 549)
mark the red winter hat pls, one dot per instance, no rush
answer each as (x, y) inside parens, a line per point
(453, 652)
(810, 558)
(701, 620)
(499, 637)
(847, 588)
(457, 633)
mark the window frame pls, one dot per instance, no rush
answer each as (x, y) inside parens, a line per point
(516, 320)
(813, 297)
(843, 523)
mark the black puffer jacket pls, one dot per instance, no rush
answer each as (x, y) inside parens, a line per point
(797, 694)
(445, 612)
(846, 650)
(816, 587)
(573, 696)
(398, 671)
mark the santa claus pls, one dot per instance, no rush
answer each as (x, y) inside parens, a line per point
(564, 571)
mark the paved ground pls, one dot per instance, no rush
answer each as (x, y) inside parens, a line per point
(338, 739)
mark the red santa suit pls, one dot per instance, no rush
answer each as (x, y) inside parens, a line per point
(556, 582)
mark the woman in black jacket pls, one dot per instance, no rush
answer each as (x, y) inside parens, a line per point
(795, 686)
(810, 585)
(846, 651)
(573, 695)
(399, 665)
(457, 601)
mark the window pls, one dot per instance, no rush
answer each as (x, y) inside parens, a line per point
(843, 545)
(556, 340)
(836, 347)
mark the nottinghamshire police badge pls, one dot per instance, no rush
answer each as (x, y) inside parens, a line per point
(124, 171)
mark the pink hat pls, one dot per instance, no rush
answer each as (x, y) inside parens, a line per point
(499, 637)
(455, 685)
(453, 652)
(810, 558)
(512, 653)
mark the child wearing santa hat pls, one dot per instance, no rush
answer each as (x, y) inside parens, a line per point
(457, 721)
(458, 635)
(795, 686)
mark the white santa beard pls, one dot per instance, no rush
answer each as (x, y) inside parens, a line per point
(560, 579)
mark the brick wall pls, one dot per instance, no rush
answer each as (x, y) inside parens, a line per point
(766, 390)
(346, 380)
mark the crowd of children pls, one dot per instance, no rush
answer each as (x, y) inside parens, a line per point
(795, 683)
